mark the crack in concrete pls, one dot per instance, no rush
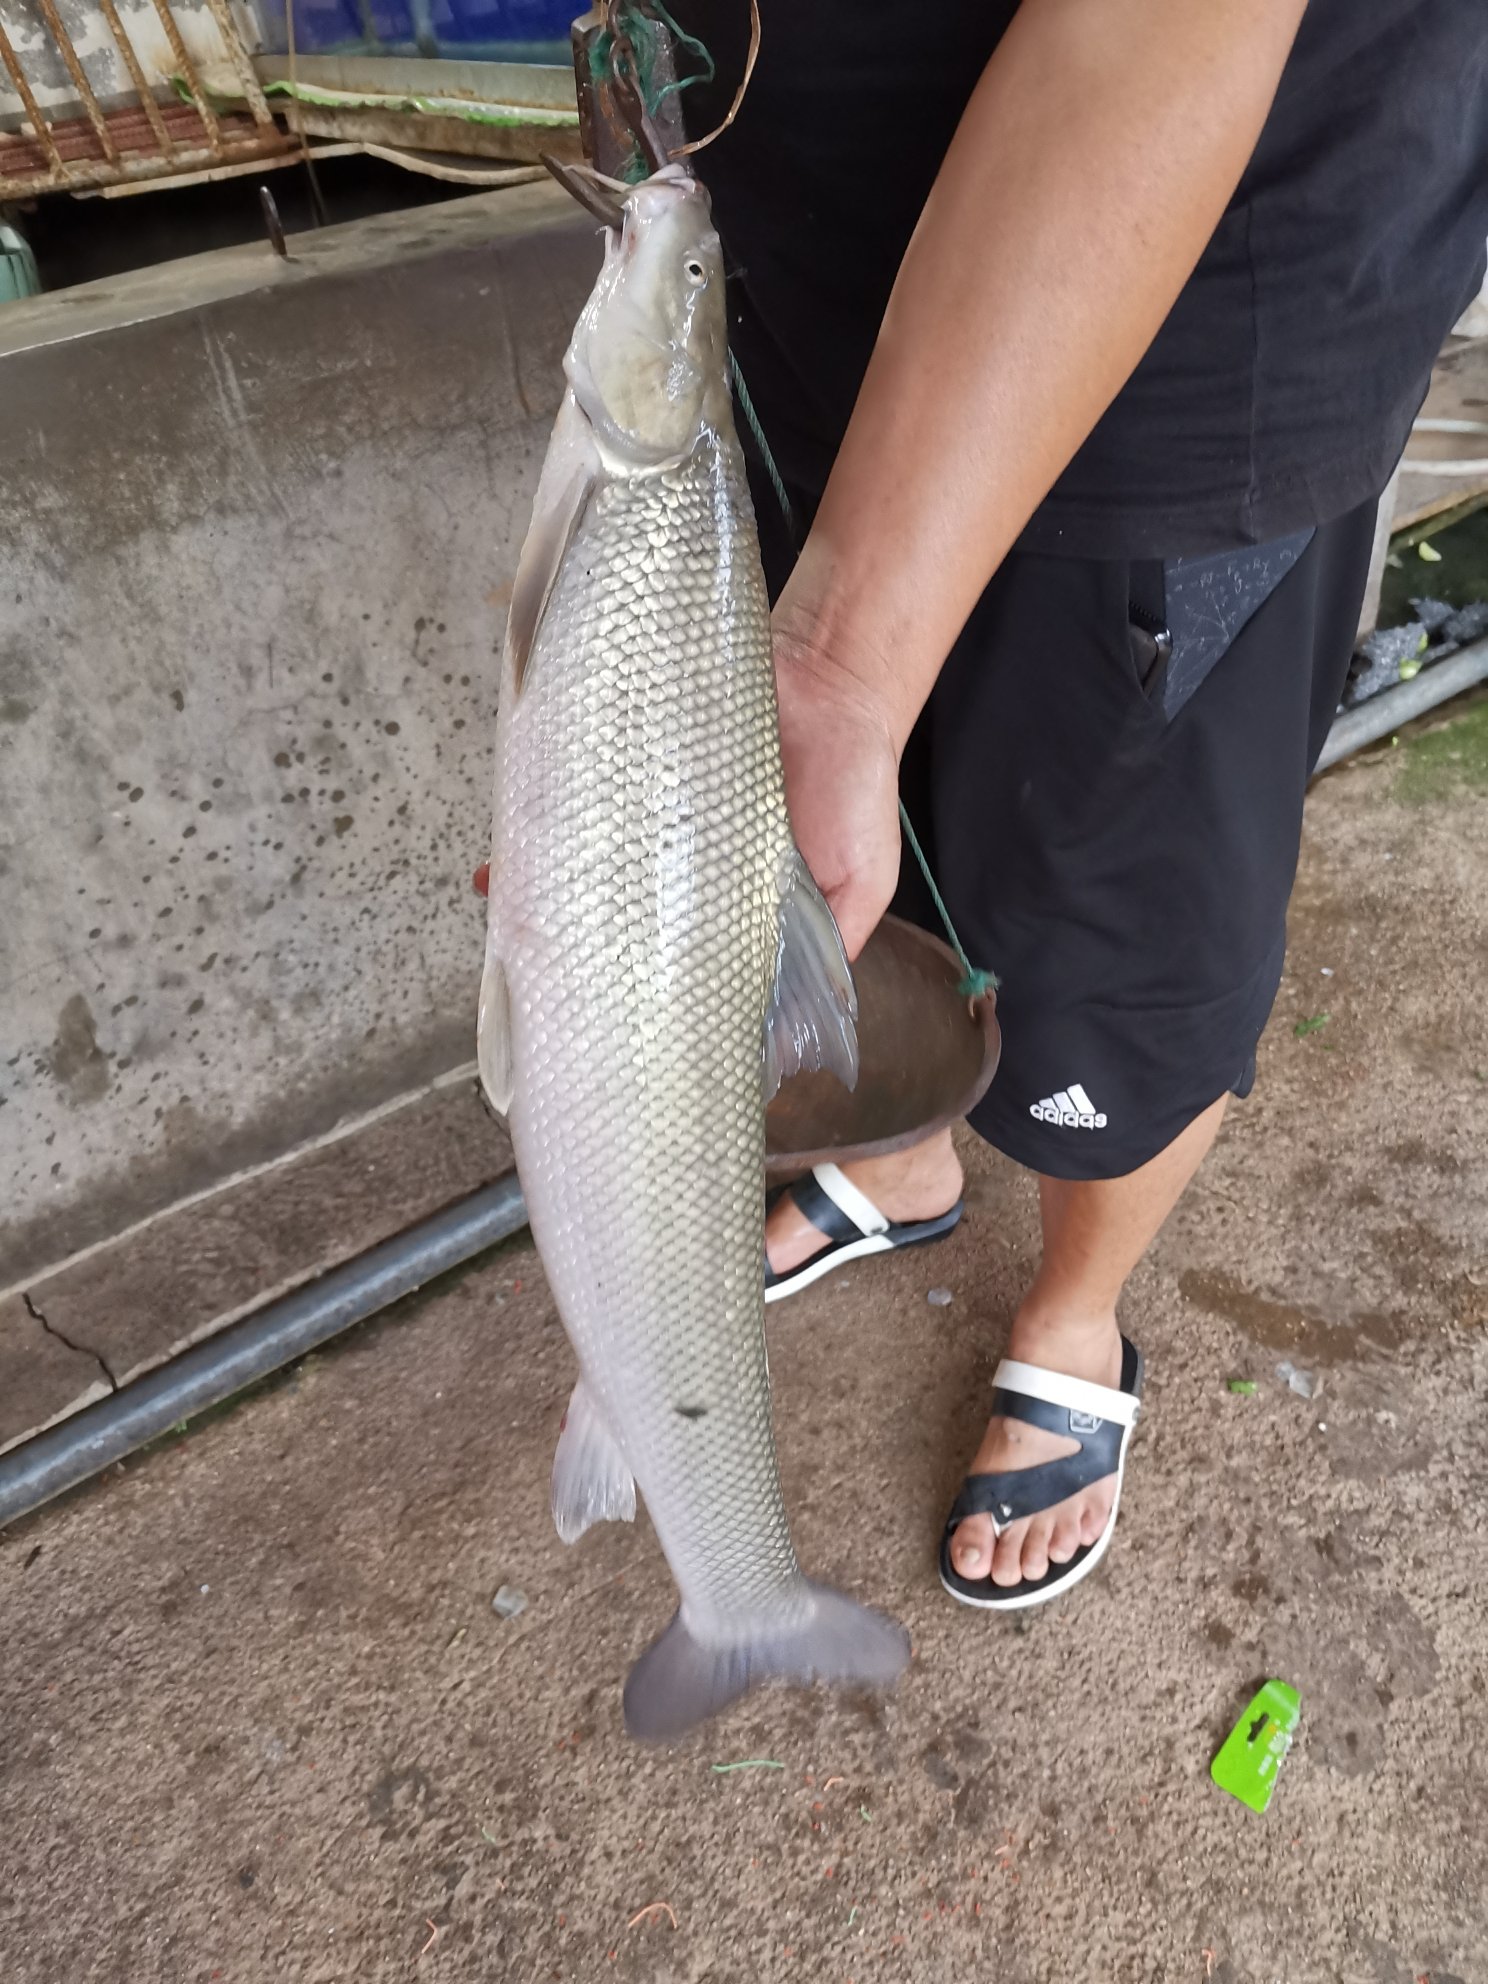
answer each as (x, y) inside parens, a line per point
(81, 1349)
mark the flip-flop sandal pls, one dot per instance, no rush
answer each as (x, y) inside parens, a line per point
(1100, 1419)
(852, 1223)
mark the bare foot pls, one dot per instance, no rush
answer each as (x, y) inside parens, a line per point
(919, 1183)
(1084, 1347)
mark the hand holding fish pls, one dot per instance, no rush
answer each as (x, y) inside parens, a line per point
(841, 775)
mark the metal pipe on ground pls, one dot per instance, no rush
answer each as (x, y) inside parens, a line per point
(1393, 707)
(79, 1447)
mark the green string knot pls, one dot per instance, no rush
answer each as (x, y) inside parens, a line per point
(643, 29)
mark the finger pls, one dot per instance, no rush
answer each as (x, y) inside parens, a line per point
(859, 910)
(481, 879)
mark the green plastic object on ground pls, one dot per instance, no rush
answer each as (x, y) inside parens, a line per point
(1251, 1757)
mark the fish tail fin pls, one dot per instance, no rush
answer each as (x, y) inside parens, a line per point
(591, 1482)
(679, 1681)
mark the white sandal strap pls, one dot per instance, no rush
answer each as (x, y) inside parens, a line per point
(1073, 1394)
(845, 1195)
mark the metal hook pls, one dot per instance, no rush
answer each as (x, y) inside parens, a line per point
(272, 222)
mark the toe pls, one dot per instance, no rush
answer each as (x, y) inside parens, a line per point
(1064, 1538)
(971, 1547)
(1093, 1517)
(1036, 1548)
(1007, 1557)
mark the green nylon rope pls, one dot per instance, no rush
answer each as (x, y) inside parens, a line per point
(746, 407)
(974, 984)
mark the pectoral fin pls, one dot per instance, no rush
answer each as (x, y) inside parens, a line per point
(553, 529)
(493, 1035)
(812, 1020)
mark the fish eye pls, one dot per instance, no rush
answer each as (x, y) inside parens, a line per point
(694, 270)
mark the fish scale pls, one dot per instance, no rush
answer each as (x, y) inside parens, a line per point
(655, 1033)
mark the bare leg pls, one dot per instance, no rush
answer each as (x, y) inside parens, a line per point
(1095, 1232)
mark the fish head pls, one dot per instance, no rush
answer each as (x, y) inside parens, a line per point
(648, 359)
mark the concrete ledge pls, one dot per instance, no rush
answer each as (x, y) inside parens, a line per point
(130, 1306)
(42, 1379)
(352, 250)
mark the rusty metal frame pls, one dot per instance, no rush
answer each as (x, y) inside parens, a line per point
(103, 148)
(238, 56)
(192, 80)
(39, 124)
(137, 76)
(80, 81)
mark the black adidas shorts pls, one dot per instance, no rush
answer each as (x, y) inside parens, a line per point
(1114, 816)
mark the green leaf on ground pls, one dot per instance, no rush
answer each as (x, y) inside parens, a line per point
(1314, 1025)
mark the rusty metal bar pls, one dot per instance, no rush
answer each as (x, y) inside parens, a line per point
(80, 82)
(38, 123)
(193, 81)
(208, 175)
(137, 77)
(257, 102)
(89, 175)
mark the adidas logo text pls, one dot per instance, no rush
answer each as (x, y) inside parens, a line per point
(1070, 1108)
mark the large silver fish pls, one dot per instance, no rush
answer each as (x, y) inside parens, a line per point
(658, 959)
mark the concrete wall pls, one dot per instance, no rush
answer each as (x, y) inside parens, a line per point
(258, 522)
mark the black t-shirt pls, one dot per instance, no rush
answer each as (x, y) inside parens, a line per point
(1280, 391)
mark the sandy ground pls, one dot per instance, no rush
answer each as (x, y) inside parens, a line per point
(261, 1722)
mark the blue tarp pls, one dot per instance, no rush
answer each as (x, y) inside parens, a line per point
(509, 30)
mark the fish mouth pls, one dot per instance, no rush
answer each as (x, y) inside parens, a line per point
(673, 183)
(612, 200)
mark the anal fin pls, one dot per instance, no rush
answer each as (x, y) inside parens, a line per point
(813, 1015)
(591, 1482)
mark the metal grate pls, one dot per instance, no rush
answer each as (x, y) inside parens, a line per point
(147, 131)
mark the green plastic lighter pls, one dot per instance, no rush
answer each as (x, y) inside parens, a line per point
(1251, 1757)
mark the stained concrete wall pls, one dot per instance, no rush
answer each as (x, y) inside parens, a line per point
(258, 522)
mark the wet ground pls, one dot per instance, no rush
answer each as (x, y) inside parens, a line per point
(260, 1721)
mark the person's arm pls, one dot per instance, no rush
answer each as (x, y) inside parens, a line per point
(1089, 170)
